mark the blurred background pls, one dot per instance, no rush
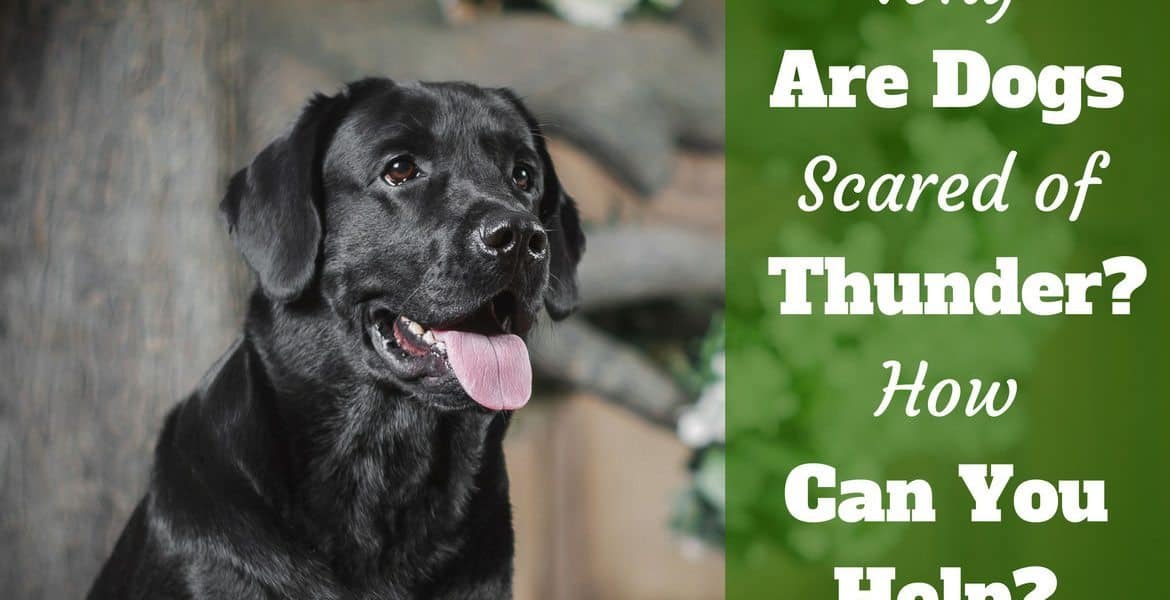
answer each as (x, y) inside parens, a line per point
(121, 122)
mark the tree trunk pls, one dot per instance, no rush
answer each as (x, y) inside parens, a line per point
(118, 285)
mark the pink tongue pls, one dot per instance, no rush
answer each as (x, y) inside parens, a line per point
(494, 370)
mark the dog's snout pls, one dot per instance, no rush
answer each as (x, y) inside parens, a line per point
(538, 243)
(499, 237)
(512, 237)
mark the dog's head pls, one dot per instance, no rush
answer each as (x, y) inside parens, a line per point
(428, 219)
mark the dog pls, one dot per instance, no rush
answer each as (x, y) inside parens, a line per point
(405, 238)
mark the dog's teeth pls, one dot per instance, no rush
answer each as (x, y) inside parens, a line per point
(429, 338)
(507, 324)
(415, 328)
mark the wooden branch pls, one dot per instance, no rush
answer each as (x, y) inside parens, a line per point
(629, 263)
(576, 352)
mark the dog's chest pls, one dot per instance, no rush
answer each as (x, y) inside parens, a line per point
(400, 509)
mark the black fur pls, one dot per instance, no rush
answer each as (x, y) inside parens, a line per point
(305, 465)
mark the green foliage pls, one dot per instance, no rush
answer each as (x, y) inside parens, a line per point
(699, 510)
(804, 388)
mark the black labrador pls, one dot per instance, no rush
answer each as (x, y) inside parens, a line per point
(405, 237)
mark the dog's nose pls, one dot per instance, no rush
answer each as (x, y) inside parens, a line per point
(513, 236)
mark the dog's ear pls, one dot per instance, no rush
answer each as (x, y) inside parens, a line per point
(272, 207)
(566, 245)
(558, 214)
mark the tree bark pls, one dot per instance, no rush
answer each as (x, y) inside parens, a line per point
(116, 277)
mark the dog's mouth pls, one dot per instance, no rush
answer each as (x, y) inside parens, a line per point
(484, 350)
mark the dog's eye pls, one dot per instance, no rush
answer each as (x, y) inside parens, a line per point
(400, 169)
(522, 177)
